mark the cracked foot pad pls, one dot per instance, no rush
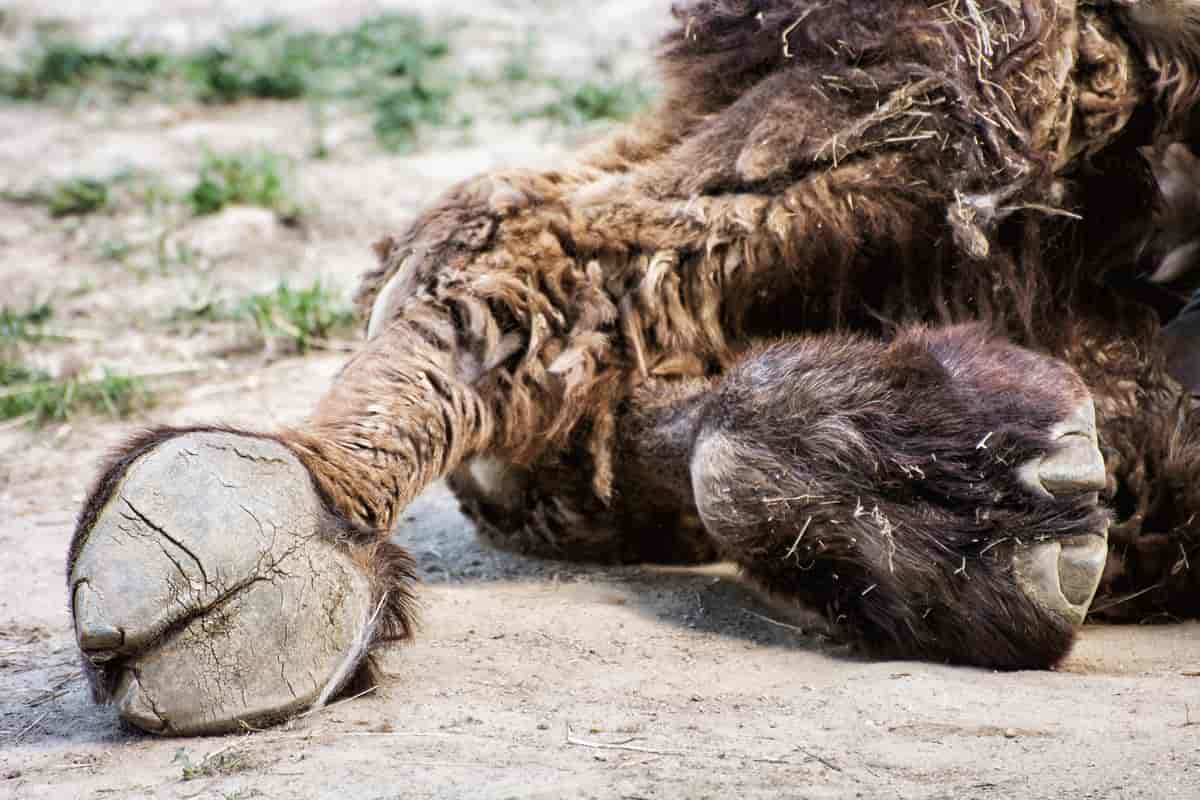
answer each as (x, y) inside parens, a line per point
(1062, 576)
(206, 595)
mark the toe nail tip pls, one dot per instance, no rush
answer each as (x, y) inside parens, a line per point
(99, 639)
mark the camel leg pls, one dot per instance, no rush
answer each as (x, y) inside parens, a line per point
(551, 509)
(220, 578)
(936, 495)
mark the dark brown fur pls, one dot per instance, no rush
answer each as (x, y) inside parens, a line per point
(812, 167)
(878, 482)
(1171, 258)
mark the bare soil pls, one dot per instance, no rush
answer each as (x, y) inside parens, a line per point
(529, 679)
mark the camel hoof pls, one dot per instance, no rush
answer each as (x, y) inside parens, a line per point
(1062, 576)
(1075, 466)
(208, 596)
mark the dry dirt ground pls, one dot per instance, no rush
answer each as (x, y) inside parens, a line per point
(529, 679)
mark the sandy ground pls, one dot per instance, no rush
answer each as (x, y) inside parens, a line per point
(529, 679)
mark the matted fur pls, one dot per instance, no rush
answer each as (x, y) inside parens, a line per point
(1168, 33)
(870, 169)
(849, 169)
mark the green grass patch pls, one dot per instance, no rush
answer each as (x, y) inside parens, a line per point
(264, 62)
(259, 178)
(25, 324)
(400, 113)
(517, 68)
(389, 63)
(299, 317)
(62, 65)
(71, 197)
(271, 61)
(117, 249)
(77, 197)
(591, 101)
(29, 393)
(15, 372)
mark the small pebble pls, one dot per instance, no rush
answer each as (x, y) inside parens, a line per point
(1009, 733)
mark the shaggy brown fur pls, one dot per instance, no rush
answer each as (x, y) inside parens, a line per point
(812, 167)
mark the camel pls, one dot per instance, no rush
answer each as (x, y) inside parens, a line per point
(859, 306)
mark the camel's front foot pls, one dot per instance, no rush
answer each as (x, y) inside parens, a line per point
(212, 590)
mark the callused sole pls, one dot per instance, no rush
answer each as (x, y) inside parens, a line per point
(208, 594)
